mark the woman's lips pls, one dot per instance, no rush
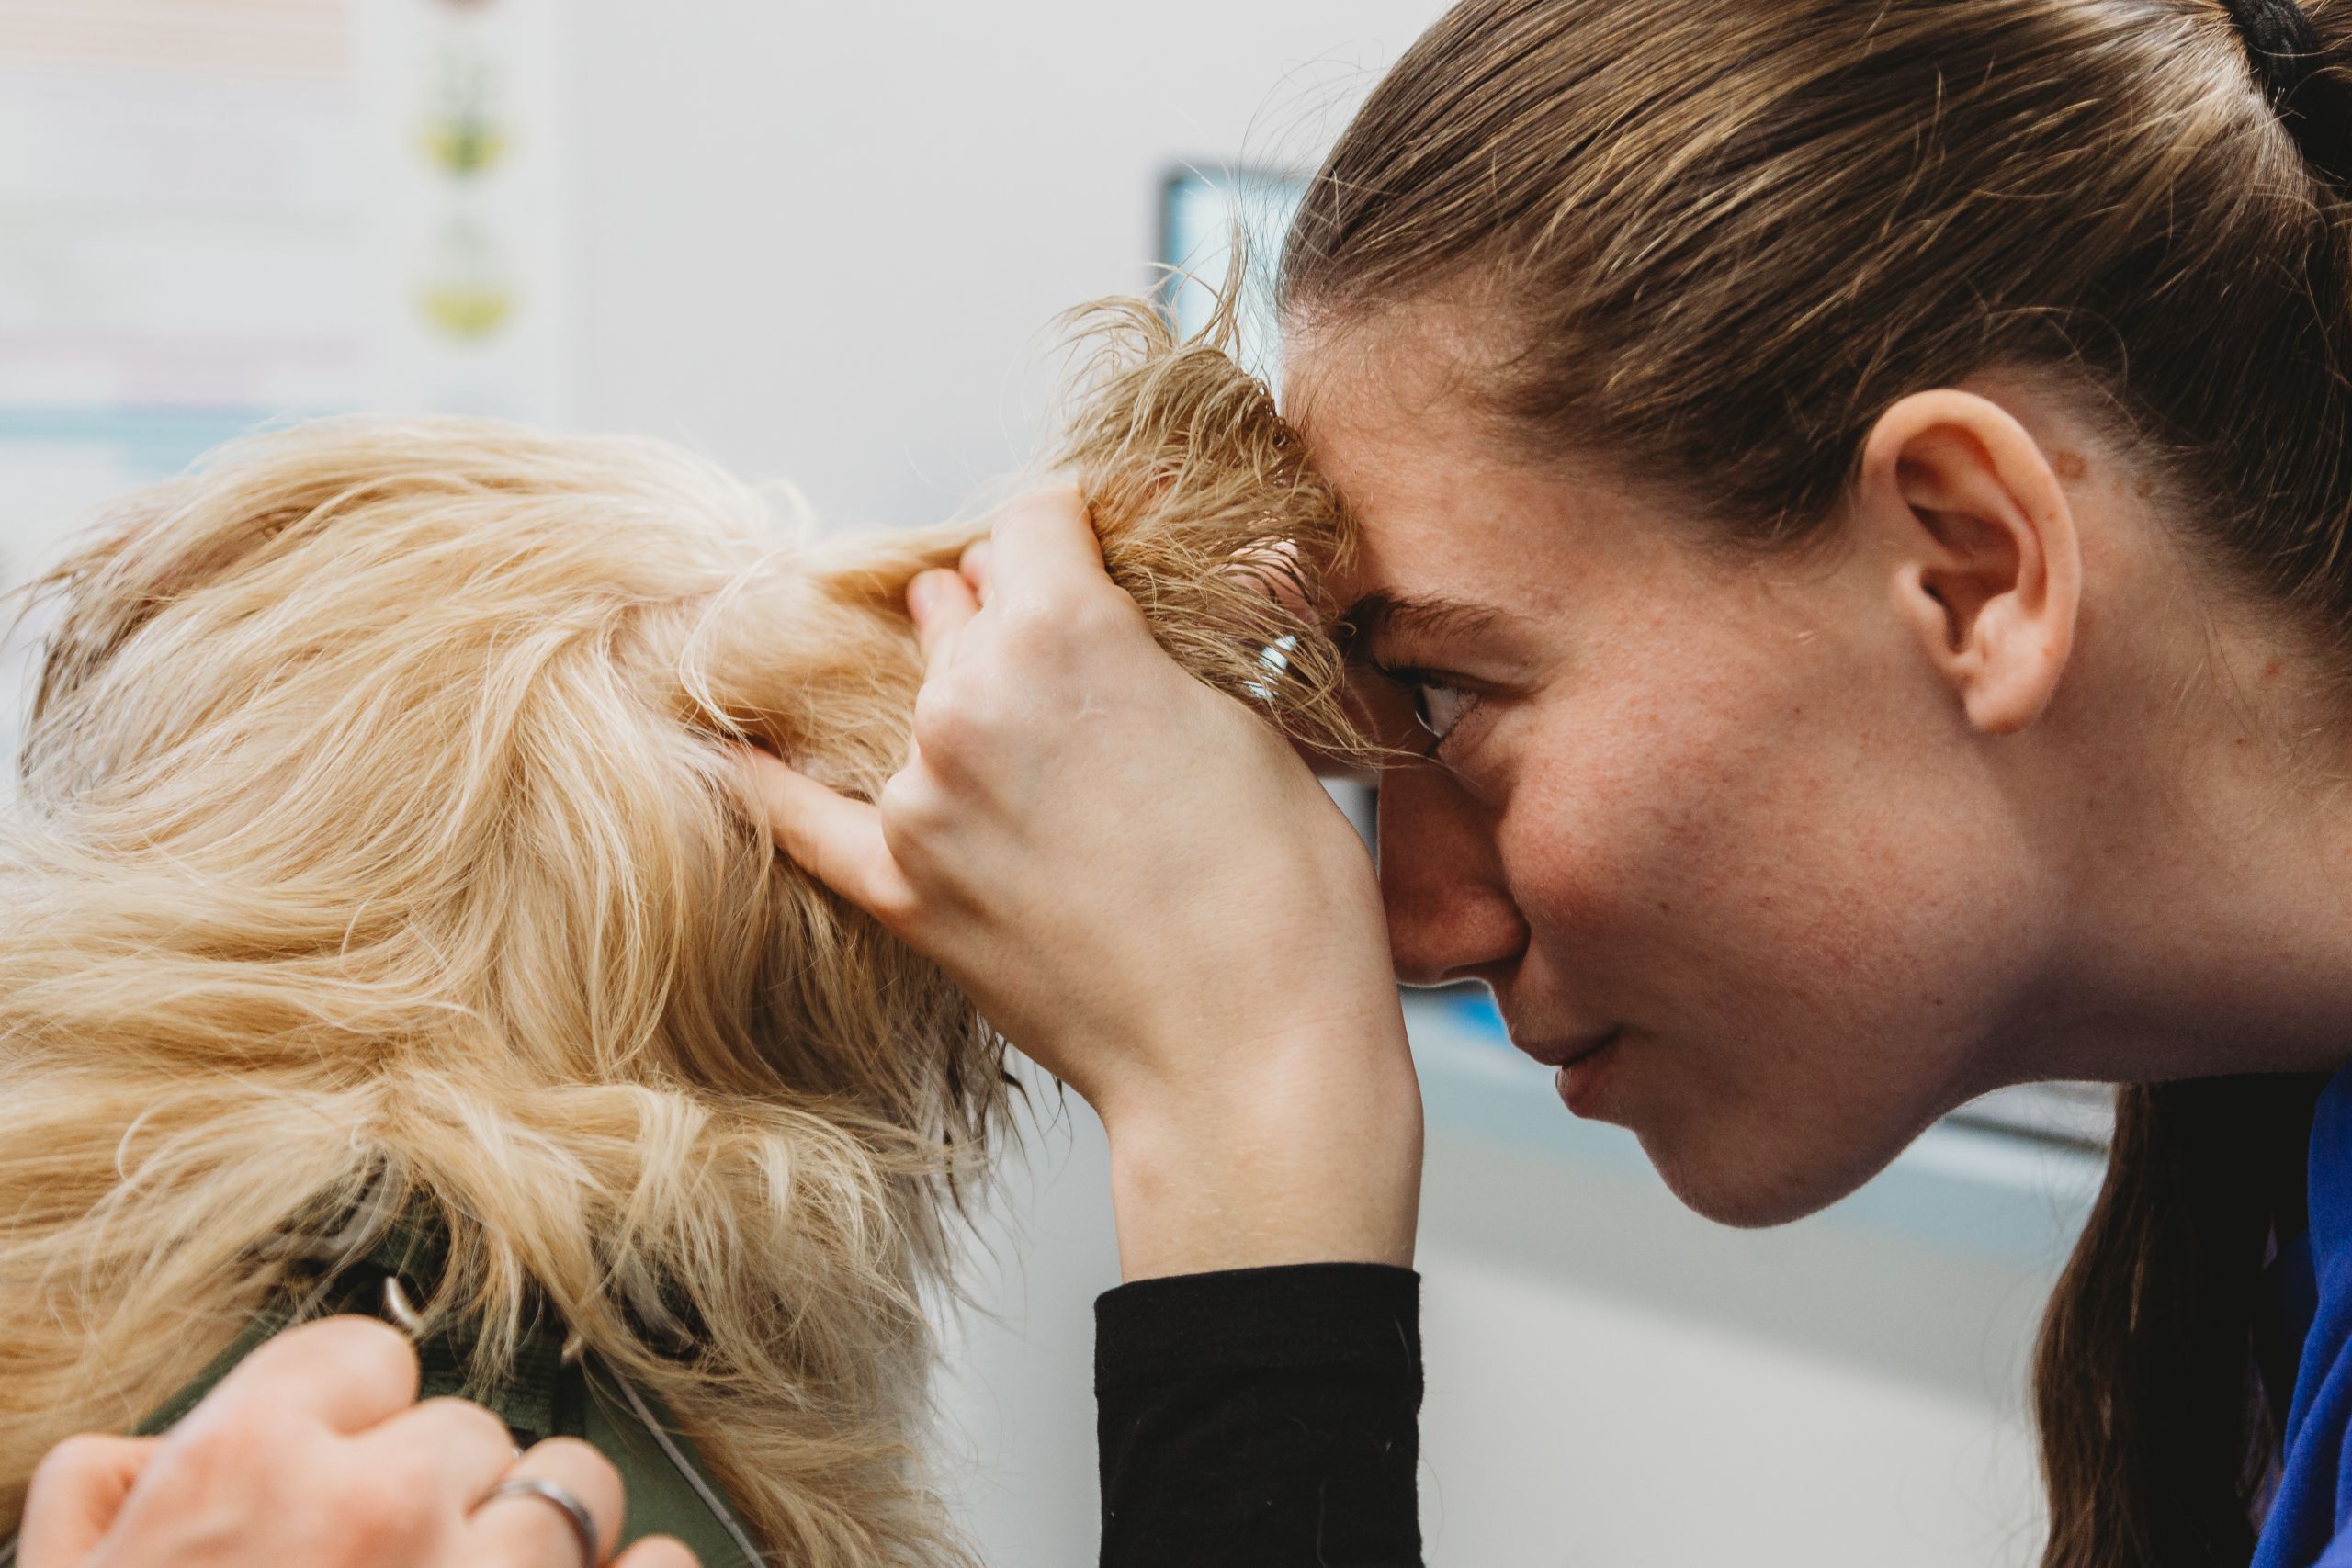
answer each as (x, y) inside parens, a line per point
(1581, 1080)
(1567, 1051)
(1579, 1065)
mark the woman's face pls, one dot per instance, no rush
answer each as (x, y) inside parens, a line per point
(1708, 823)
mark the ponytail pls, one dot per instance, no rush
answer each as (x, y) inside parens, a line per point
(2294, 69)
(2157, 1438)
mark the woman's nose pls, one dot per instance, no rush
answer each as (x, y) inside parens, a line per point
(1450, 916)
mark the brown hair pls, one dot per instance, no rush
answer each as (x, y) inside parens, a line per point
(378, 851)
(1722, 237)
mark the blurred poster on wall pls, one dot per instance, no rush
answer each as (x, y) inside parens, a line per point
(217, 215)
(178, 220)
(465, 268)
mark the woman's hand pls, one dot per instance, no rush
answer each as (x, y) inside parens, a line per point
(314, 1452)
(1143, 886)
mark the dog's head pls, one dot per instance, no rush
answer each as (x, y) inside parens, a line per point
(379, 839)
(419, 717)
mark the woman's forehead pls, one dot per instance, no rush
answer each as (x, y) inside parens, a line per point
(1461, 544)
(1402, 454)
(1410, 364)
(1435, 511)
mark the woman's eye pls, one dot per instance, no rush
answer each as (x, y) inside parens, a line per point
(1439, 706)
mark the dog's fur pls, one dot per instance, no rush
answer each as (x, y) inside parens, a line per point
(377, 843)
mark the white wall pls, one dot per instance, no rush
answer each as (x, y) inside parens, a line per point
(823, 242)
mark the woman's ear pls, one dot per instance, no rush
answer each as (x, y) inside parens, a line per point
(1987, 569)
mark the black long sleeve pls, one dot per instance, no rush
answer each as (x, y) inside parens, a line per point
(1260, 1418)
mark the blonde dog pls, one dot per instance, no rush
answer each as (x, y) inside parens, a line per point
(381, 866)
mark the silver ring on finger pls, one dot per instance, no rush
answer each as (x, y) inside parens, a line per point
(575, 1512)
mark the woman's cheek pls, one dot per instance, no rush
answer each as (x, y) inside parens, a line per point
(1574, 852)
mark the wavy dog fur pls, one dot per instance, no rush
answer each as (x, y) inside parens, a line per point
(378, 846)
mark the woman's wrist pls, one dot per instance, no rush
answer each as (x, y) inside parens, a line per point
(1314, 1157)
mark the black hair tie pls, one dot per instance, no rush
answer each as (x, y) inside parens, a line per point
(2292, 64)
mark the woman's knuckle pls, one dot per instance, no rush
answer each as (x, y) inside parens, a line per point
(581, 1460)
(586, 1473)
(1049, 504)
(945, 724)
(924, 843)
(463, 1421)
(72, 1462)
(410, 1469)
(245, 1433)
(381, 1509)
(906, 804)
(1091, 619)
(376, 1349)
(1036, 625)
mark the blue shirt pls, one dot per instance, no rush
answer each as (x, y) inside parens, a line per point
(2310, 1523)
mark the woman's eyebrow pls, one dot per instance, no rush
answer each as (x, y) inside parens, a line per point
(1378, 616)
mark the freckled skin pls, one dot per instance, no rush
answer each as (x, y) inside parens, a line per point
(1686, 831)
(1732, 807)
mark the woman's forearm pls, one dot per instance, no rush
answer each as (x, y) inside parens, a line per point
(1314, 1157)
